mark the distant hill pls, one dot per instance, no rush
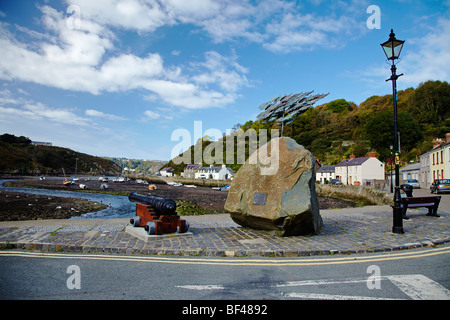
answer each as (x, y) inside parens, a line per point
(139, 166)
(19, 156)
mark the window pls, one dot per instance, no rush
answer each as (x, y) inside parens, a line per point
(433, 158)
(437, 157)
(442, 156)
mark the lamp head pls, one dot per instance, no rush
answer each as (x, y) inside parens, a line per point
(393, 47)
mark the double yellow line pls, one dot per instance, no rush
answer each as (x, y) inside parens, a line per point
(267, 262)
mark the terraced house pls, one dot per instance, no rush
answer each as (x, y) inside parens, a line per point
(360, 171)
(440, 159)
(435, 164)
(216, 173)
(354, 171)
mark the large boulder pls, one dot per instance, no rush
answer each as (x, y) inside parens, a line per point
(275, 190)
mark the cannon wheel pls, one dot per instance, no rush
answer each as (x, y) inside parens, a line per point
(135, 221)
(150, 228)
(185, 229)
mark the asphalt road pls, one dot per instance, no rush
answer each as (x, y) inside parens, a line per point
(413, 274)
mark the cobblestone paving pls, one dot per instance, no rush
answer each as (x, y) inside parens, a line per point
(341, 234)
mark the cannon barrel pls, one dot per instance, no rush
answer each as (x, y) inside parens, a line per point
(161, 205)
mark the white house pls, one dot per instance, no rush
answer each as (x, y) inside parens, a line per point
(190, 170)
(325, 173)
(216, 173)
(439, 159)
(424, 173)
(167, 172)
(410, 172)
(363, 170)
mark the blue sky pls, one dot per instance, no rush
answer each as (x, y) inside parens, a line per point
(118, 77)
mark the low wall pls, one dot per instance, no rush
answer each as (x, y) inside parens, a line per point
(377, 197)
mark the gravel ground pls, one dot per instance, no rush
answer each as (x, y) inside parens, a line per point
(21, 206)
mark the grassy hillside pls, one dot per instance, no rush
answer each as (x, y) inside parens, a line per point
(18, 156)
(335, 130)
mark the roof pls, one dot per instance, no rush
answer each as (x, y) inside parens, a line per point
(411, 167)
(441, 146)
(168, 169)
(192, 167)
(353, 162)
(214, 169)
(326, 169)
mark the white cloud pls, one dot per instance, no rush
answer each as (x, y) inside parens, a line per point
(14, 109)
(269, 22)
(151, 115)
(224, 71)
(297, 31)
(100, 114)
(68, 128)
(428, 58)
(86, 60)
(422, 59)
(129, 14)
(41, 112)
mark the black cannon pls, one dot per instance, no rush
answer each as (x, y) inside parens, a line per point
(157, 215)
(160, 205)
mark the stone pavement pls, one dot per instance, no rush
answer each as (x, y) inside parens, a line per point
(345, 231)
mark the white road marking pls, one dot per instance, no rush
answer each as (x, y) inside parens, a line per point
(320, 296)
(202, 287)
(319, 282)
(419, 287)
(415, 286)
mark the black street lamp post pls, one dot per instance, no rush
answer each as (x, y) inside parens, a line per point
(392, 49)
(392, 180)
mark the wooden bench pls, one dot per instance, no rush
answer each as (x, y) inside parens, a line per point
(430, 202)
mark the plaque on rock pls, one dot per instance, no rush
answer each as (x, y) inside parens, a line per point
(259, 198)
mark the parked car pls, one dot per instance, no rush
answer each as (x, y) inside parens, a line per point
(440, 185)
(413, 183)
(103, 179)
(336, 182)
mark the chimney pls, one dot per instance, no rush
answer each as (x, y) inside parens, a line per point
(372, 154)
(437, 142)
(352, 156)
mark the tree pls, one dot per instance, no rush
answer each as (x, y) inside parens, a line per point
(10, 138)
(338, 106)
(380, 131)
(430, 106)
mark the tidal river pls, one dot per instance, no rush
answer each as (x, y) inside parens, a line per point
(118, 206)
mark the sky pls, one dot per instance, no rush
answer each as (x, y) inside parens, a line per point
(119, 78)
